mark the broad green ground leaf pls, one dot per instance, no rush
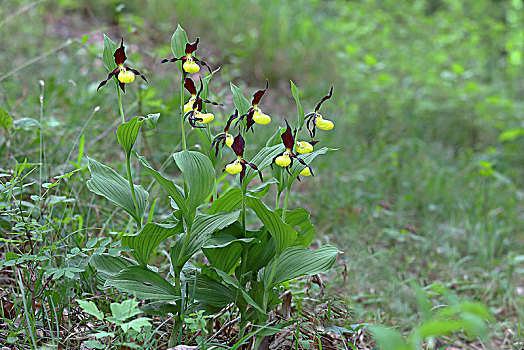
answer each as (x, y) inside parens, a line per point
(298, 261)
(137, 324)
(295, 92)
(223, 249)
(108, 265)
(178, 44)
(227, 201)
(283, 234)
(107, 56)
(6, 121)
(148, 238)
(128, 132)
(143, 283)
(203, 227)
(174, 191)
(199, 175)
(261, 254)
(212, 292)
(109, 184)
(90, 308)
(240, 101)
(300, 217)
(262, 160)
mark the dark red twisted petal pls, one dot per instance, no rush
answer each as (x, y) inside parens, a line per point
(327, 97)
(120, 54)
(258, 95)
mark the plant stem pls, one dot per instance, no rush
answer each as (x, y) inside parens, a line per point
(286, 200)
(184, 145)
(243, 212)
(130, 179)
(120, 105)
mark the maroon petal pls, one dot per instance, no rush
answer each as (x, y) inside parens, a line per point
(202, 63)
(287, 137)
(191, 47)
(258, 95)
(238, 145)
(190, 86)
(327, 97)
(109, 76)
(122, 86)
(120, 54)
(255, 168)
(230, 120)
(136, 72)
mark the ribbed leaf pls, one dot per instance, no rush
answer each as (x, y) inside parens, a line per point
(176, 193)
(151, 120)
(148, 238)
(300, 218)
(205, 143)
(240, 101)
(228, 201)
(263, 189)
(205, 82)
(107, 55)
(213, 292)
(178, 44)
(143, 283)
(108, 266)
(260, 255)
(109, 184)
(223, 249)
(283, 234)
(203, 227)
(298, 261)
(128, 132)
(262, 160)
(295, 92)
(199, 175)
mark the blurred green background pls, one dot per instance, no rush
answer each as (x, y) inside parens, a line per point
(427, 184)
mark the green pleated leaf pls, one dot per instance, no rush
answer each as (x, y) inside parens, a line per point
(262, 160)
(212, 292)
(227, 201)
(205, 143)
(107, 266)
(276, 138)
(260, 255)
(298, 261)
(300, 218)
(128, 132)
(148, 238)
(174, 191)
(235, 284)
(143, 283)
(109, 184)
(223, 249)
(300, 110)
(199, 175)
(308, 158)
(263, 189)
(203, 227)
(107, 56)
(6, 121)
(283, 234)
(178, 44)
(240, 101)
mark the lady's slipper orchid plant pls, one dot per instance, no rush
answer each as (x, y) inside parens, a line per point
(315, 119)
(226, 138)
(195, 114)
(238, 166)
(189, 61)
(285, 159)
(126, 74)
(254, 114)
